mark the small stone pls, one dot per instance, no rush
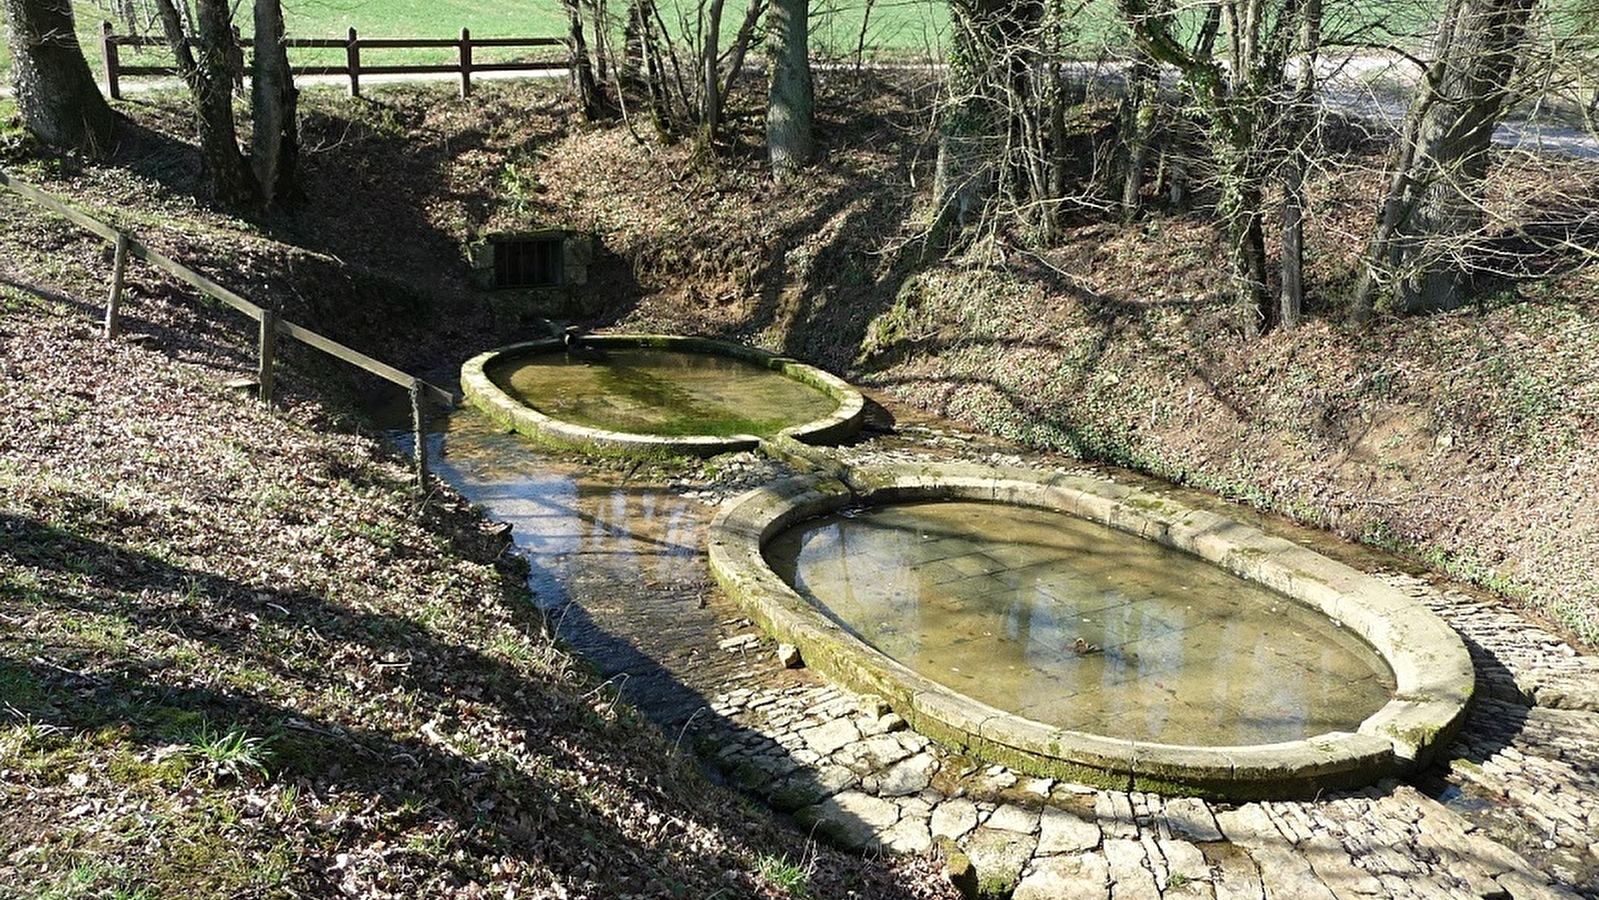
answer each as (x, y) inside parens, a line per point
(1130, 870)
(739, 643)
(998, 778)
(999, 857)
(953, 819)
(891, 723)
(1060, 831)
(795, 794)
(1084, 877)
(789, 656)
(829, 737)
(832, 779)
(907, 777)
(1014, 818)
(873, 706)
(1038, 786)
(909, 835)
(853, 819)
(1191, 818)
(959, 870)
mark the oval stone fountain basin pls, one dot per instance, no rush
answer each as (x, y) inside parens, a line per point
(1078, 626)
(659, 393)
(1216, 660)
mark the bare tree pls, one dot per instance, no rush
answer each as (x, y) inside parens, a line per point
(1002, 126)
(56, 95)
(1239, 89)
(1433, 203)
(274, 140)
(1299, 149)
(790, 105)
(210, 79)
(208, 64)
(584, 86)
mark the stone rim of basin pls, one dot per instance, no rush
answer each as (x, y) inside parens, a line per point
(481, 391)
(1434, 674)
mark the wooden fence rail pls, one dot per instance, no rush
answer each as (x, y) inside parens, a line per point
(271, 324)
(353, 68)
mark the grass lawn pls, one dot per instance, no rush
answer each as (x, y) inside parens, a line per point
(893, 28)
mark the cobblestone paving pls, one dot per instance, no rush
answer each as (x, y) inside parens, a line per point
(1513, 812)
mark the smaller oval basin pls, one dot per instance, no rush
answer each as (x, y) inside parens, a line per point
(659, 393)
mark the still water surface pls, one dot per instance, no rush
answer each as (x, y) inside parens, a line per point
(1076, 625)
(644, 391)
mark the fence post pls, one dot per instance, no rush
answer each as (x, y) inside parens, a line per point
(466, 63)
(419, 433)
(113, 303)
(352, 55)
(108, 50)
(267, 375)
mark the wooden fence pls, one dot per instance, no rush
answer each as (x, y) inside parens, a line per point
(353, 68)
(271, 324)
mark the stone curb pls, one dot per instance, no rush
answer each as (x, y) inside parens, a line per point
(1434, 672)
(482, 392)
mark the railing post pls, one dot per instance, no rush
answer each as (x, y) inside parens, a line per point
(466, 63)
(113, 303)
(108, 50)
(419, 433)
(267, 375)
(352, 55)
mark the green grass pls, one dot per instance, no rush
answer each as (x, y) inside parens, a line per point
(894, 28)
(780, 873)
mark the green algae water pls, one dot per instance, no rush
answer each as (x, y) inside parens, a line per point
(664, 392)
(1078, 626)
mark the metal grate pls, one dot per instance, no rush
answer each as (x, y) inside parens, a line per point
(528, 262)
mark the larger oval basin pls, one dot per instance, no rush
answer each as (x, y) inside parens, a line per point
(1258, 669)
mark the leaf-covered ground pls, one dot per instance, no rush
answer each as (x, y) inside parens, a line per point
(239, 658)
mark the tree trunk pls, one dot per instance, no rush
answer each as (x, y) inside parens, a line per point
(584, 87)
(56, 95)
(211, 88)
(275, 144)
(790, 105)
(1300, 129)
(711, 74)
(1137, 123)
(1241, 209)
(1433, 204)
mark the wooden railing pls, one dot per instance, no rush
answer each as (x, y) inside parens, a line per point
(271, 324)
(353, 68)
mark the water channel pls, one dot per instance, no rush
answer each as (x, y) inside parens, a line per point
(616, 562)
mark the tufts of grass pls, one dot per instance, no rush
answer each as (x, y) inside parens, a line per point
(233, 754)
(779, 872)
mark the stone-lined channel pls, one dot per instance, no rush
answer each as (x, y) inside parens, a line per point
(1512, 810)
